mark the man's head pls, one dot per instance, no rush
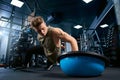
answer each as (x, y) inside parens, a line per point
(36, 21)
(39, 25)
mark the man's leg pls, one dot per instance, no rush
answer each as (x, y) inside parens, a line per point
(28, 56)
(49, 65)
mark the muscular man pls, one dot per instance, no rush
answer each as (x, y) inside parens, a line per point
(51, 37)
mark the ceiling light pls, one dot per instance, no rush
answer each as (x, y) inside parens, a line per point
(17, 3)
(77, 26)
(87, 1)
(104, 25)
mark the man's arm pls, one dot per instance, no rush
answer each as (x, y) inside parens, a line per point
(60, 34)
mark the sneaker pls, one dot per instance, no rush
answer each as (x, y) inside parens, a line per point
(49, 67)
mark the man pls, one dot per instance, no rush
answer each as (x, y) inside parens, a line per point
(51, 38)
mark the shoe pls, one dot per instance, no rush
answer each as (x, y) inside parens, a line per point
(49, 67)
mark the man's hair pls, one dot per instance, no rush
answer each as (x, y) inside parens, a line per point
(37, 21)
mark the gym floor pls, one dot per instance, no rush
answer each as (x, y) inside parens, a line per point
(54, 74)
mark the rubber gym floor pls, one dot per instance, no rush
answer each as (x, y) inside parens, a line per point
(54, 74)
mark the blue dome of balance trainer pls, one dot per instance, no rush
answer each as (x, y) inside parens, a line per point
(82, 63)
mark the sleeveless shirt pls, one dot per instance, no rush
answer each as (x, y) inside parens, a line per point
(50, 49)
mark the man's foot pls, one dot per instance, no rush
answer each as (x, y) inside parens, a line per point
(48, 67)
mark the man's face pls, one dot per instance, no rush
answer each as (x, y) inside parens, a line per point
(41, 29)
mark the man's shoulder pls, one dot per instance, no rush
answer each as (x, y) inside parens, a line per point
(53, 28)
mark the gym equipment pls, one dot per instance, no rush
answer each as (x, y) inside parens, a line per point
(78, 63)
